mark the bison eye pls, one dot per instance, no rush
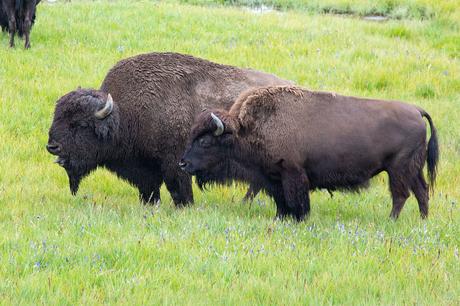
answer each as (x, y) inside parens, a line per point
(204, 142)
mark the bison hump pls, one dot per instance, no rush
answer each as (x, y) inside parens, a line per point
(257, 106)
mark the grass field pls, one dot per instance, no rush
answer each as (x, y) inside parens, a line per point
(397, 9)
(102, 246)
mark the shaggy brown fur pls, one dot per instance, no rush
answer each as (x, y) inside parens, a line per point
(156, 97)
(290, 140)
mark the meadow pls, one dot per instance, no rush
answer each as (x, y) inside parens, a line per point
(103, 247)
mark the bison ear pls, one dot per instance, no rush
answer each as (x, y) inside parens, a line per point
(108, 128)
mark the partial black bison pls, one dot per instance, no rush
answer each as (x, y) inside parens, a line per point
(18, 16)
(291, 140)
(3, 18)
(137, 123)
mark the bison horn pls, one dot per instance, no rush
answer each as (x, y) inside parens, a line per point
(106, 110)
(220, 126)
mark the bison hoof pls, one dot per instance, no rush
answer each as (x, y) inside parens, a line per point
(183, 204)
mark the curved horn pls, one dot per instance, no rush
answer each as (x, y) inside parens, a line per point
(106, 110)
(220, 126)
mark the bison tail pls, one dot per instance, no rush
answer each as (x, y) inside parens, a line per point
(432, 151)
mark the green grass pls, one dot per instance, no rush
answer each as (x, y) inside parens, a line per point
(398, 9)
(102, 246)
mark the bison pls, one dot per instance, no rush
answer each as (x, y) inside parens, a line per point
(136, 125)
(290, 140)
(18, 16)
(3, 19)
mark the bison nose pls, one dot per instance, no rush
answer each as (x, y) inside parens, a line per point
(182, 164)
(53, 148)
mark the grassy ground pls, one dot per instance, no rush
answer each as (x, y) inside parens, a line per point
(414, 9)
(102, 246)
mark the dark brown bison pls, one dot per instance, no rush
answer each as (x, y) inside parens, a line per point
(137, 124)
(18, 16)
(291, 140)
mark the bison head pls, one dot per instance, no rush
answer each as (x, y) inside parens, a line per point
(83, 131)
(211, 147)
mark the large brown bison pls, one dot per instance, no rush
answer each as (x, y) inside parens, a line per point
(137, 123)
(291, 140)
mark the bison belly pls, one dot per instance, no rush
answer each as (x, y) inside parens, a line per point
(349, 161)
(341, 173)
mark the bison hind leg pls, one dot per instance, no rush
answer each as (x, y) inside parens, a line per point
(399, 192)
(420, 189)
(27, 25)
(406, 172)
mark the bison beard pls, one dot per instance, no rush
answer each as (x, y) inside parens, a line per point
(281, 139)
(76, 171)
(220, 174)
(75, 178)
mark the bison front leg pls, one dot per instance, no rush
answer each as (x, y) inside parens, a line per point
(146, 178)
(296, 191)
(275, 190)
(281, 208)
(149, 189)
